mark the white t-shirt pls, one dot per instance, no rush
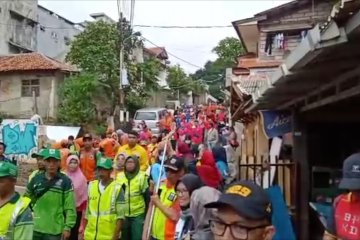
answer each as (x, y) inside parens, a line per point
(101, 188)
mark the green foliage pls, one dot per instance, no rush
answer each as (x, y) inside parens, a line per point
(228, 50)
(99, 129)
(213, 73)
(97, 51)
(135, 101)
(75, 94)
(180, 82)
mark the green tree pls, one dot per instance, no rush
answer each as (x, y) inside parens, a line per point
(228, 50)
(213, 73)
(76, 106)
(96, 51)
(181, 83)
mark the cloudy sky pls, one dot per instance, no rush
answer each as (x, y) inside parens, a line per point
(192, 45)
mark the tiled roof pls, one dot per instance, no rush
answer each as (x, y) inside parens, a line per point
(257, 63)
(159, 52)
(31, 62)
(251, 83)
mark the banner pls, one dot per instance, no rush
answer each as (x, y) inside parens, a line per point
(276, 123)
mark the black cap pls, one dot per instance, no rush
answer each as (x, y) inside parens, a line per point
(175, 163)
(351, 173)
(247, 198)
(87, 136)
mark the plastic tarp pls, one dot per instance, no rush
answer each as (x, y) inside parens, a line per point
(58, 133)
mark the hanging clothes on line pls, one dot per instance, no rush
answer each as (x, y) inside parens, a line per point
(269, 44)
(279, 41)
(303, 34)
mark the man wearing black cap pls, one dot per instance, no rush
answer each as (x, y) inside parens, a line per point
(243, 212)
(345, 223)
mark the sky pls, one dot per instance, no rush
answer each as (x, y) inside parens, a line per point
(192, 45)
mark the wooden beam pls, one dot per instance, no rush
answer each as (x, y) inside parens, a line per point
(303, 179)
(323, 87)
(335, 98)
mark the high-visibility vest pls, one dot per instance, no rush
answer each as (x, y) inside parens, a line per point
(134, 198)
(9, 213)
(347, 218)
(101, 211)
(162, 227)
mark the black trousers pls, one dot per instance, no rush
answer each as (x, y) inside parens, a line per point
(75, 230)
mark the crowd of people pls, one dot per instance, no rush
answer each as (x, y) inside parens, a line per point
(180, 184)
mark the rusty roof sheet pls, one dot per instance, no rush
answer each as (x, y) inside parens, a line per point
(257, 63)
(251, 83)
(32, 62)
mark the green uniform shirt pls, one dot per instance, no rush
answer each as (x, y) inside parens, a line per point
(54, 211)
(23, 226)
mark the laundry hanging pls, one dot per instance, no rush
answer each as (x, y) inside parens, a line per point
(269, 44)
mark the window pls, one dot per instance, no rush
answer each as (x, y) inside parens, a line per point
(30, 86)
(145, 116)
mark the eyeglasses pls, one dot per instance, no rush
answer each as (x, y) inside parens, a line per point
(181, 192)
(239, 232)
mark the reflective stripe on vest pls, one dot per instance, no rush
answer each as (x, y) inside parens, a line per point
(9, 214)
(347, 218)
(134, 199)
(101, 211)
(160, 229)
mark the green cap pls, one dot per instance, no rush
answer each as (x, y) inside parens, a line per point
(39, 154)
(8, 170)
(105, 163)
(51, 153)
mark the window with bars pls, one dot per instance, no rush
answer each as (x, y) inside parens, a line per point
(30, 86)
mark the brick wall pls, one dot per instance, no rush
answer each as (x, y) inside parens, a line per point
(301, 17)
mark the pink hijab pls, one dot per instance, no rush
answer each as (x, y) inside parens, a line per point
(79, 181)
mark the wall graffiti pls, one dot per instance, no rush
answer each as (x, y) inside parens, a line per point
(20, 137)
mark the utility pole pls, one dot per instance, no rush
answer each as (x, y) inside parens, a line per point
(121, 59)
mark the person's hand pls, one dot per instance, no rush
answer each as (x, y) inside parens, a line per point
(155, 200)
(116, 236)
(66, 234)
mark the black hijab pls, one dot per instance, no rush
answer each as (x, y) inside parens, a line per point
(191, 182)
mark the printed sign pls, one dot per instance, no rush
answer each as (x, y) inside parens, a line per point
(276, 123)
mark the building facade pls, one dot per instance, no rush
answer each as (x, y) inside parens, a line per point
(29, 83)
(18, 30)
(55, 34)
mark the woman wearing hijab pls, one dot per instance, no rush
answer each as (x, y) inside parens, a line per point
(184, 189)
(219, 154)
(208, 171)
(136, 193)
(202, 216)
(80, 189)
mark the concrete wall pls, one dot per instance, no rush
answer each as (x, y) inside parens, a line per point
(301, 16)
(54, 42)
(12, 103)
(18, 28)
